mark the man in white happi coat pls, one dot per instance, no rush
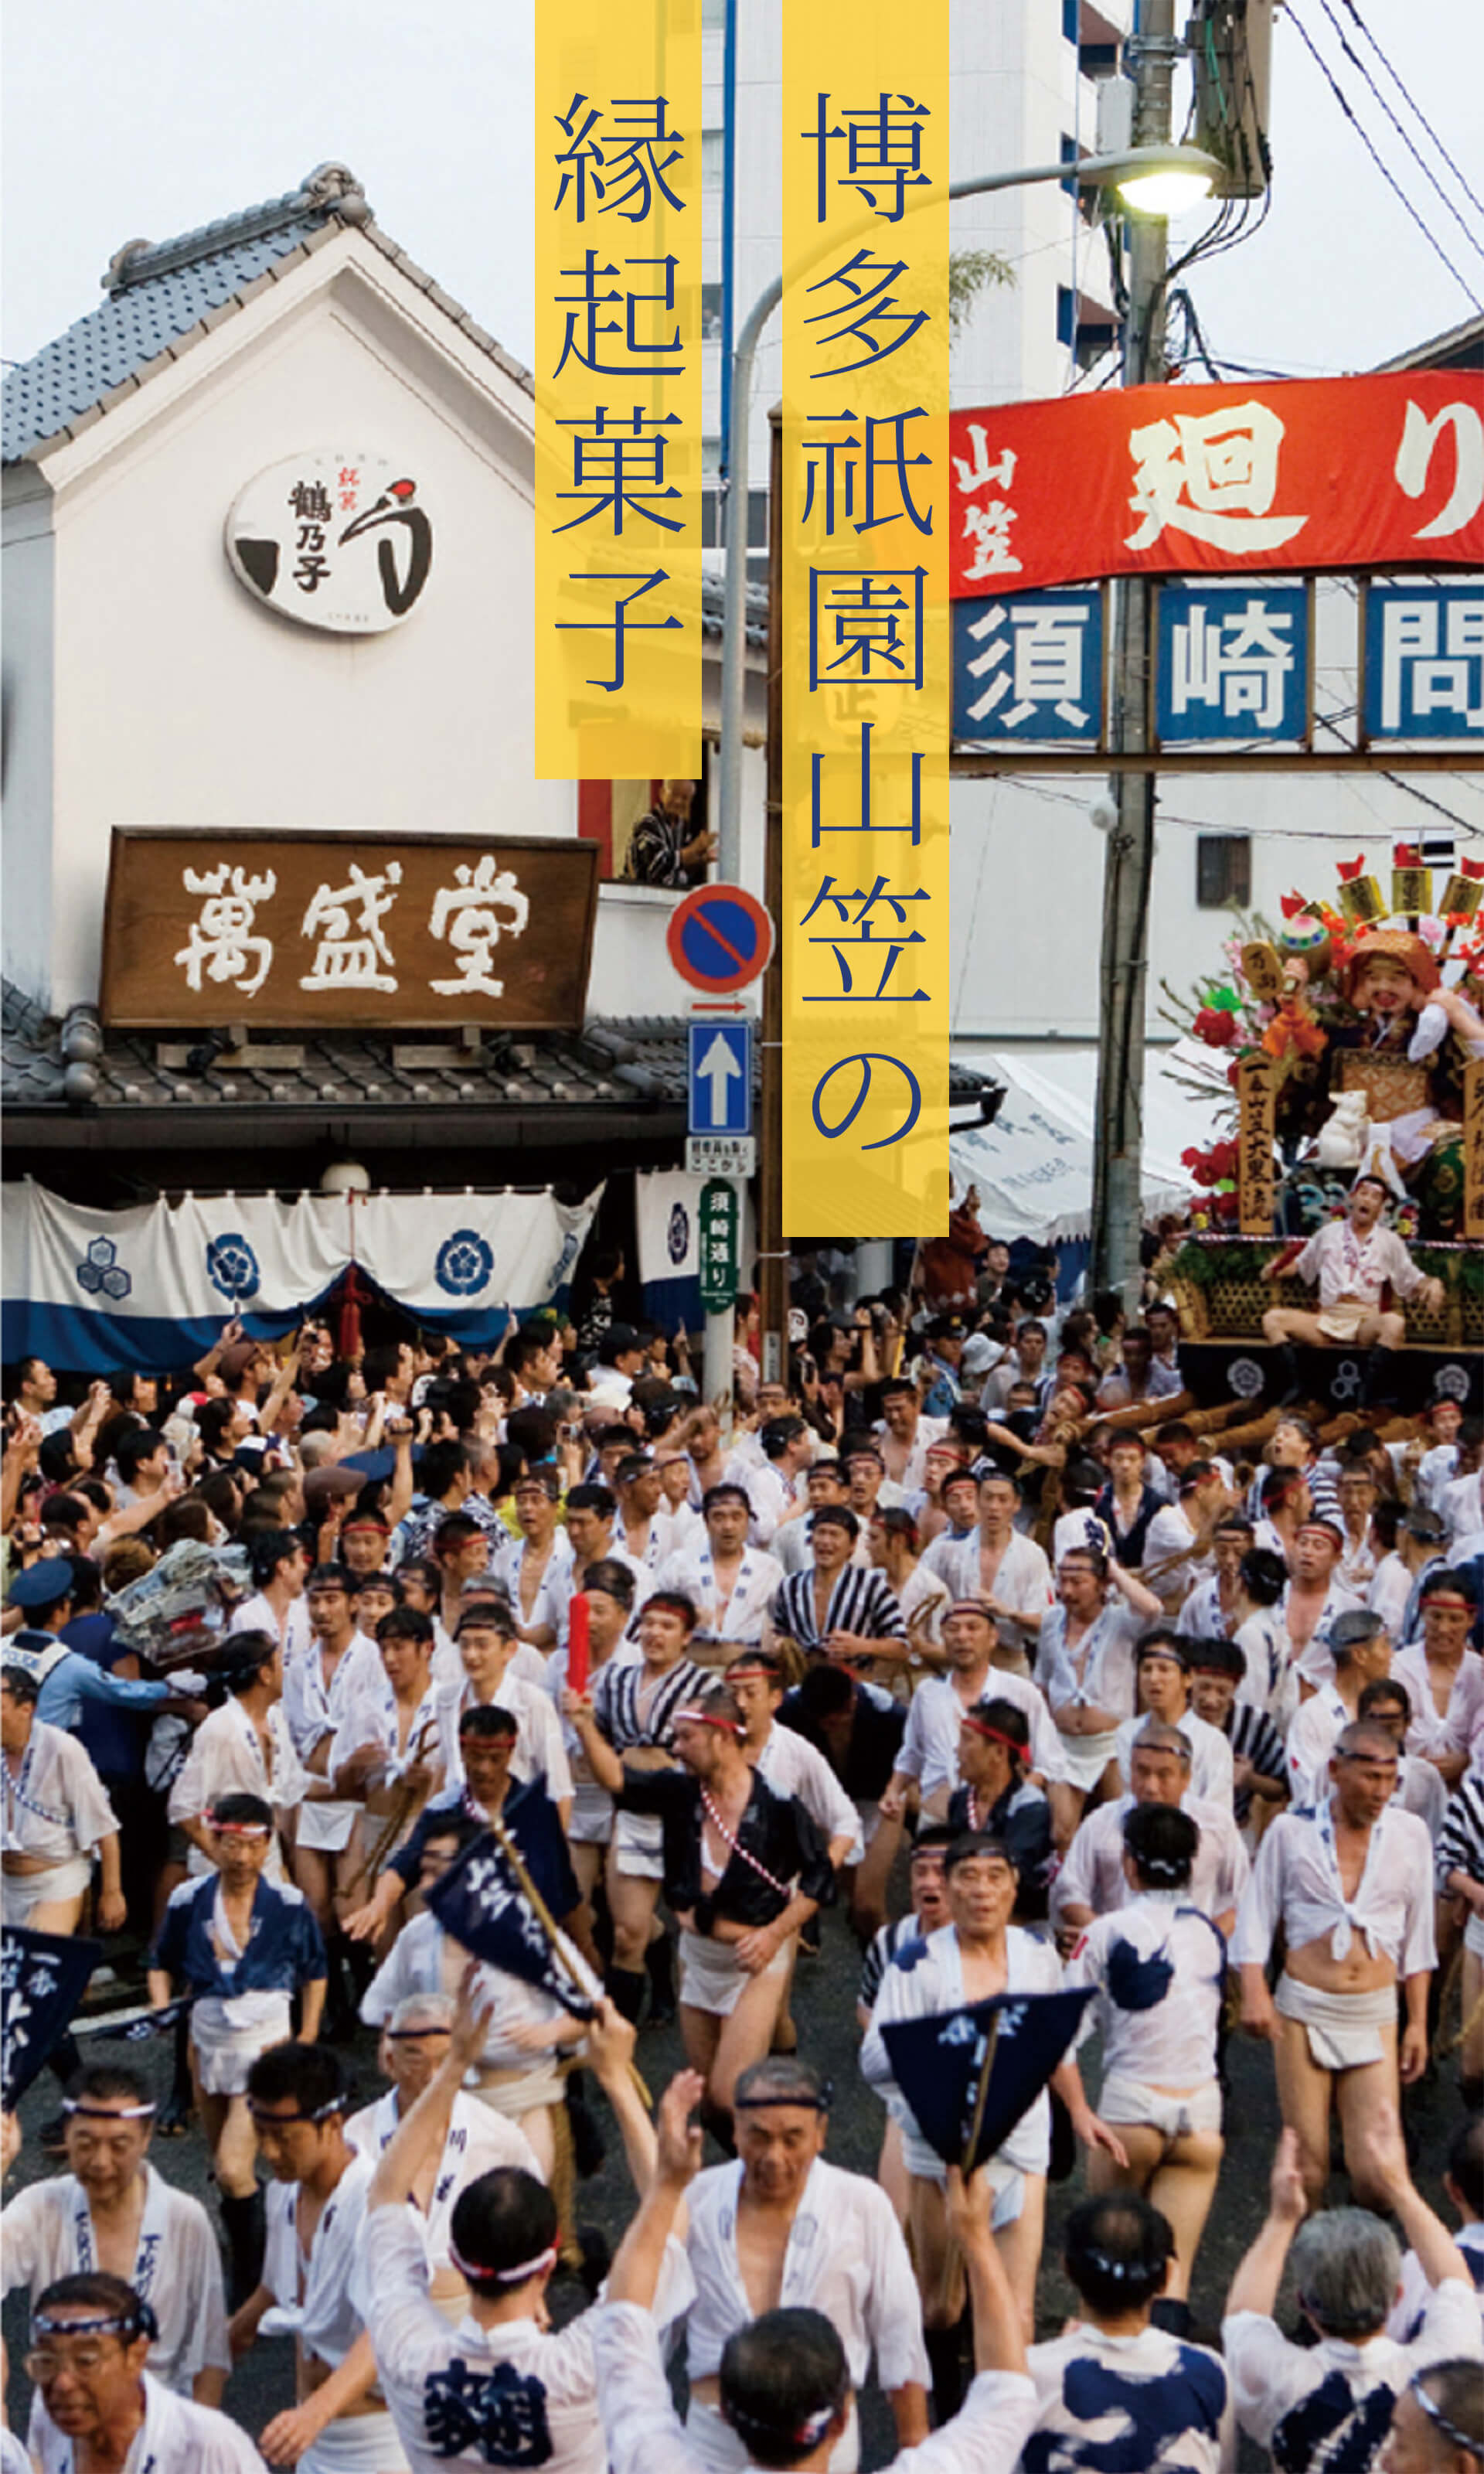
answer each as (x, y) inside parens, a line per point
(1362, 1655)
(338, 1667)
(928, 1757)
(1162, 1669)
(1158, 1968)
(113, 2211)
(1118, 2384)
(56, 1817)
(502, 2387)
(1444, 1678)
(785, 2386)
(1351, 1885)
(312, 2264)
(279, 1604)
(1353, 1261)
(1329, 2404)
(244, 1748)
(1000, 1565)
(414, 2041)
(497, 1668)
(790, 1765)
(825, 1481)
(98, 2405)
(730, 1583)
(537, 1566)
(975, 1956)
(1461, 1507)
(904, 1434)
(780, 2227)
(1085, 1661)
(1092, 1881)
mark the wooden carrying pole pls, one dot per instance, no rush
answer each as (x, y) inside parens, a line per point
(950, 2257)
(572, 1960)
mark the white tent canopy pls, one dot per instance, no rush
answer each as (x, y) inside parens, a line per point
(1034, 1166)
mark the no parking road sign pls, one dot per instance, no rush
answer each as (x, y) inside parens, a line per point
(720, 939)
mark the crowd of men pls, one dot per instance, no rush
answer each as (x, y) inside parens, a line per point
(976, 1632)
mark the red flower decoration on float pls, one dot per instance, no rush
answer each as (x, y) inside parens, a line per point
(1218, 1030)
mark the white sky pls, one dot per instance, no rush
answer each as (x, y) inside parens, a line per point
(150, 119)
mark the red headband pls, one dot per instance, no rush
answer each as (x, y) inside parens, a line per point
(995, 1735)
(1447, 1598)
(704, 1718)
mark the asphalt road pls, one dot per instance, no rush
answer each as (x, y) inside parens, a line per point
(824, 2007)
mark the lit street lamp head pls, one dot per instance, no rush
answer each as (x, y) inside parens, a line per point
(1154, 180)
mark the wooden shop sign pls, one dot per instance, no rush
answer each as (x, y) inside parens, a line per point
(346, 932)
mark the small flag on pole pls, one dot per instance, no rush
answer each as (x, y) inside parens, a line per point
(43, 1977)
(488, 1904)
(939, 2064)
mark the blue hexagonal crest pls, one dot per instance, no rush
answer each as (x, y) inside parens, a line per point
(232, 1265)
(466, 1262)
(100, 1273)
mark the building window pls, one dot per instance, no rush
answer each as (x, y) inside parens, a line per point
(712, 157)
(1223, 871)
(756, 520)
(711, 313)
(1089, 336)
(713, 17)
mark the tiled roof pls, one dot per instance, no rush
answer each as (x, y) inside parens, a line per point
(165, 297)
(637, 1061)
(713, 596)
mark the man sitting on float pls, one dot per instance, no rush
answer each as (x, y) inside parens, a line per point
(1353, 1261)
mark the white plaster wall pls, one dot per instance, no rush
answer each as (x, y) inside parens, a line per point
(25, 733)
(181, 700)
(632, 970)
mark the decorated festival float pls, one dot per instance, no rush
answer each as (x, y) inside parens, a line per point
(1352, 1040)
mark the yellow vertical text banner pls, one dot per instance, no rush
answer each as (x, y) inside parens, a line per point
(865, 620)
(618, 390)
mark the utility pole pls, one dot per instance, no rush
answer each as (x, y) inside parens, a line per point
(1129, 866)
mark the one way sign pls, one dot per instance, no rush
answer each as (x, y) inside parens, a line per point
(720, 1077)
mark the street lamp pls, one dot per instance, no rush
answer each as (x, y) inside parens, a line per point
(1162, 180)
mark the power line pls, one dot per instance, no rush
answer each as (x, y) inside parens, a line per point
(1392, 182)
(1396, 77)
(1423, 165)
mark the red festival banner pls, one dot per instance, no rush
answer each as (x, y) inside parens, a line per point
(1303, 473)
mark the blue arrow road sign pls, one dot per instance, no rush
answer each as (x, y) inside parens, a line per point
(720, 1079)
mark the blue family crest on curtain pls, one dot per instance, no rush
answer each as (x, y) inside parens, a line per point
(91, 1291)
(101, 1273)
(464, 1263)
(232, 1266)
